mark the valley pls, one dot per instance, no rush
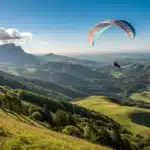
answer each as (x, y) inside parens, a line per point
(70, 100)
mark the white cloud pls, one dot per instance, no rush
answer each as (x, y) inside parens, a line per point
(11, 35)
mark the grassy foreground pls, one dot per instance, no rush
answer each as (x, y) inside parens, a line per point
(16, 132)
(121, 114)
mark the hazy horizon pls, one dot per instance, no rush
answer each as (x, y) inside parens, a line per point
(95, 53)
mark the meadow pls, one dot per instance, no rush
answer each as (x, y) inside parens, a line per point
(129, 117)
(21, 133)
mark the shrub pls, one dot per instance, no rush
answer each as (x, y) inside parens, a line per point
(36, 116)
(147, 148)
(104, 136)
(139, 136)
(71, 119)
(24, 139)
(17, 143)
(87, 132)
(3, 131)
(33, 109)
(61, 118)
(90, 133)
(72, 130)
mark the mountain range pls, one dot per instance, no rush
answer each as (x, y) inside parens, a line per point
(85, 76)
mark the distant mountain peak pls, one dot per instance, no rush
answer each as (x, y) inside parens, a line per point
(8, 44)
(11, 46)
(50, 54)
(12, 53)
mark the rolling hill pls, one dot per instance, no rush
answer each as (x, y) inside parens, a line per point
(142, 96)
(134, 119)
(42, 87)
(84, 77)
(16, 132)
(25, 114)
(61, 58)
(106, 80)
(68, 79)
(74, 69)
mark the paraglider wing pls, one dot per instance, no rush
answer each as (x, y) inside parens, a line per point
(127, 27)
(96, 33)
(98, 29)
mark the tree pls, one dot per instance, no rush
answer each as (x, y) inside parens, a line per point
(45, 112)
(87, 132)
(104, 137)
(125, 93)
(118, 140)
(61, 118)
(9, 100)
(90, 133)
(47, 115)
(71, 119)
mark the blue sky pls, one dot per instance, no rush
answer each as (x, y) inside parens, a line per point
(61, 26)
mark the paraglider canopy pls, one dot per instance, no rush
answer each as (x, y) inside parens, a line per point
(98, 29)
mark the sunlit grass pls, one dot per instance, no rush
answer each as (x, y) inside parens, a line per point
(121, 114)
(142, 96)
(116, 74)
(23, 136)
(31, 70)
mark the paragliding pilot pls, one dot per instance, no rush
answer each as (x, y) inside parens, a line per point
(116, 64)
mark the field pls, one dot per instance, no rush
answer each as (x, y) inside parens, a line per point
(116, 74)
(134, 119)
(16, 132)
(144, 96)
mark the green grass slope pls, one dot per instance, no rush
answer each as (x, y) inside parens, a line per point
(16, 133)
(134, 119)
(142, 96)
(59, 116)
